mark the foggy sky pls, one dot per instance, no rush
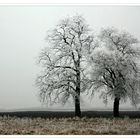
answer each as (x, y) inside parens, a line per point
(22, 35)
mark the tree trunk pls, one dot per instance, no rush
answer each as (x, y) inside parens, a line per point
(77, 106)
(116, 107)
(77, 96)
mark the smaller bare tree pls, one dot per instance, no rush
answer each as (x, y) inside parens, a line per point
(115, 67)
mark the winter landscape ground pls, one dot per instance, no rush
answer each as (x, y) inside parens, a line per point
(94, 124)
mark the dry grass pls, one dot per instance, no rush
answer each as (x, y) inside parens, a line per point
(69, 126)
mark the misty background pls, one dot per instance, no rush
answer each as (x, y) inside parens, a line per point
(22, 36)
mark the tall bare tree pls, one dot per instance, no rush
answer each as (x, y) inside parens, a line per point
(64, 62)
(115, 67)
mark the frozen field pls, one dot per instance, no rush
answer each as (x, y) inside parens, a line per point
(69, 126)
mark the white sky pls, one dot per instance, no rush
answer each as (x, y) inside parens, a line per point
(22, 35)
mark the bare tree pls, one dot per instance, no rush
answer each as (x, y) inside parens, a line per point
(115, 68)
(64, 62)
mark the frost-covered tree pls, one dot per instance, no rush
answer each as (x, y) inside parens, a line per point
(115, 67)
(64, 62)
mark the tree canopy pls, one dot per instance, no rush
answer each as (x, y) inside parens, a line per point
(115, 66)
